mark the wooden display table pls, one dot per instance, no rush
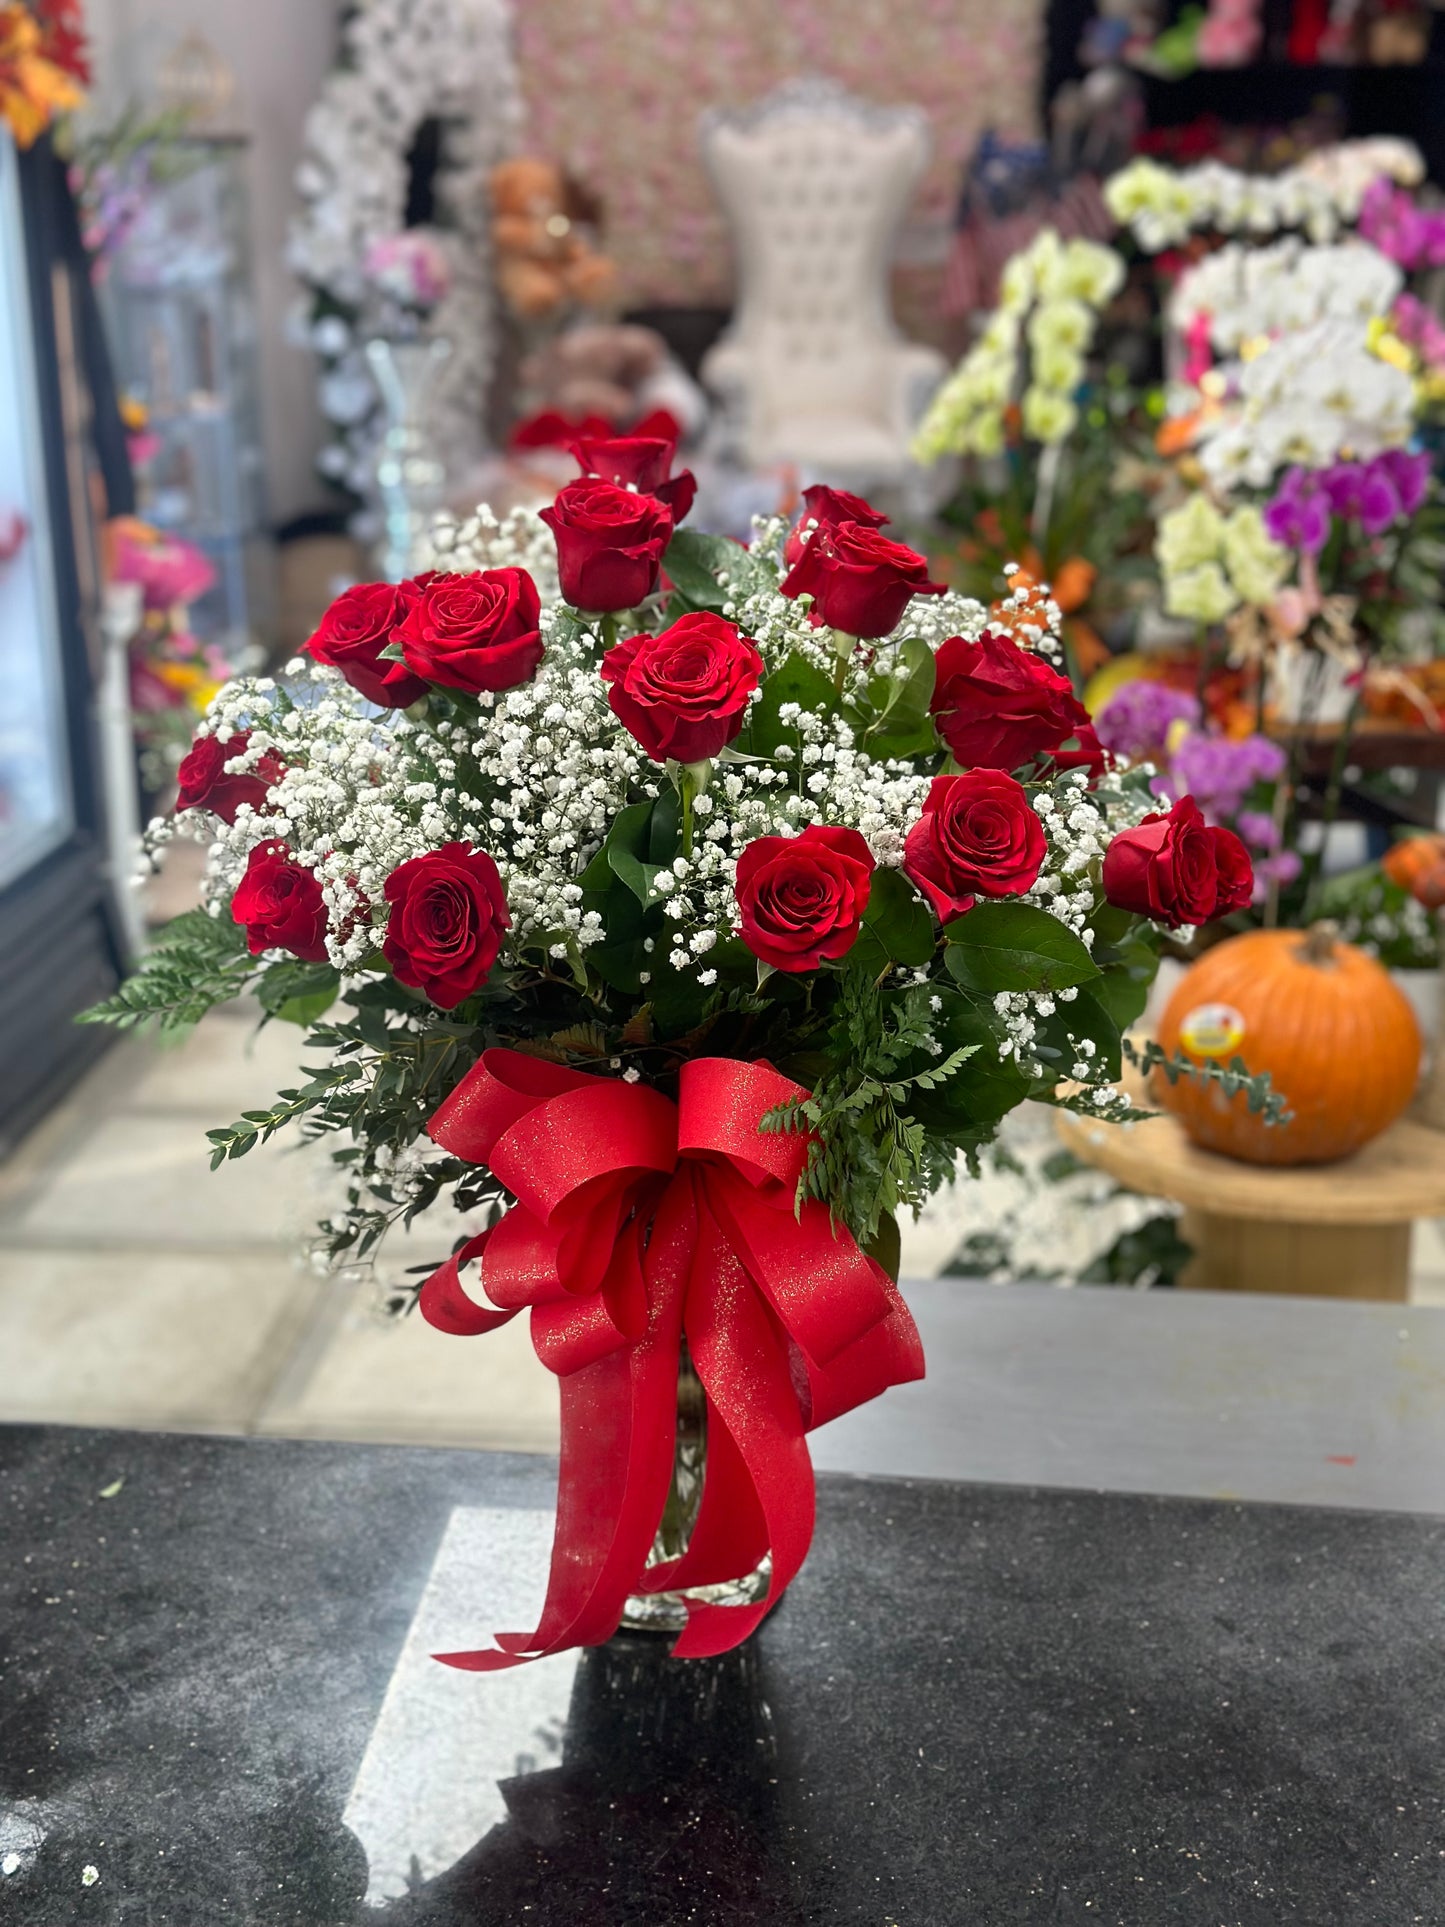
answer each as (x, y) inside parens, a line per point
(1323, 1230)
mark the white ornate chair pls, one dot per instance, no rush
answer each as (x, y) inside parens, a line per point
(813, 370)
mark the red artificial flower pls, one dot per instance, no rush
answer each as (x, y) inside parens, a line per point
(472, 632)
(1176, 869)
(550, 428)
(828, 507)
(683, 694)
(978, 835)
(860, 581)
(203, 784)
(448, 918)
(641, 462)
(360, 623)
(997, 706)
(279, 901)
(609, 544)
(802, 898)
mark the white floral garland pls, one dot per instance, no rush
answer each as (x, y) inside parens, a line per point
(403, 61)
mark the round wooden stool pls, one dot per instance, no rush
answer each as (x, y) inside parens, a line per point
(1323, 1230)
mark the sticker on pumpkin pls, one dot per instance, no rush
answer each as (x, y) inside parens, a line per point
(1212, 1030)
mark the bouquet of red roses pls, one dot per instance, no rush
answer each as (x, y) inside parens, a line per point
(685, 910)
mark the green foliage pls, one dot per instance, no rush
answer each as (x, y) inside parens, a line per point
(902, 725)
(693, 562)
(1014, 946)
(795, 681)
(196, 962)
(1233, 1079)
(868, 1157)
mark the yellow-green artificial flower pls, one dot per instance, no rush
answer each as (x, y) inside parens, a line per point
(1048, 417)
(1081, 271)
(1060, 324)
(1201, 594)
(1058, 368)
(1256, 563)
(1188, 536)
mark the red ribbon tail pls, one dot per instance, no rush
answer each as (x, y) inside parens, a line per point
(741, 1356)
(619, 1422)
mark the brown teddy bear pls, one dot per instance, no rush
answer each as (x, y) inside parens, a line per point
(544, 263)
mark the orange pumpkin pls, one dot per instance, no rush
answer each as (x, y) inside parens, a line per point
(1417, 864)
(1337, 1037)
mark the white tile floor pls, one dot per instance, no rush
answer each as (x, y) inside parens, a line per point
(137, 1288)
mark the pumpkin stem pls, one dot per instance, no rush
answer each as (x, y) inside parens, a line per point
(1320, 941)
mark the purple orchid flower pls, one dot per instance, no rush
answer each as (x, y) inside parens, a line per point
(1298, 514)
(1258, 828)
(1410, 475)
(1364, 492)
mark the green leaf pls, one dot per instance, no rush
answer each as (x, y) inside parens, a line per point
(694, 562)
(298, 993)
(795, 681)
(1086, 1017)
(638, 876)
(896, 917)
(886, 1247)
(1122, 992)
(904, 724)
(988, 1087)
(1015, 946)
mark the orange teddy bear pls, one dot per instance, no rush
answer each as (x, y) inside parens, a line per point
(543, 262)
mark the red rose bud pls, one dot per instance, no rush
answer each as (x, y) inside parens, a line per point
(683, 694)
(361, 622)
(997, 706)
(203, 784)
(1175, 868)
(642, 462)
(828, 507)
(860, 581)
(978, 835)
(801, 898)
(472, 632)
(448, 918)
(279, 901)
(609, 544)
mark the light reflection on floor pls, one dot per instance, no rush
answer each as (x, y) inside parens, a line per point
(427, 1790)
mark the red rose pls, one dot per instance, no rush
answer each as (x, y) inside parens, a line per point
(802, 898)
(828, 507)
(977, 834)
(643, 462)
(472, 632)
(279, 901)
(1176, 869)
(203, 784)
(1236, 873)
(609, 544)
(859, 580)
(683, 693)
(997, 706)
(353, 633)
(448, 916)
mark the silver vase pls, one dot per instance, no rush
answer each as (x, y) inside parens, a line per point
(410, 478)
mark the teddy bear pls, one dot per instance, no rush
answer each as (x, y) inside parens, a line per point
(544, 264)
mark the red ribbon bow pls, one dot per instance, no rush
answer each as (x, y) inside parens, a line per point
(639, 1222)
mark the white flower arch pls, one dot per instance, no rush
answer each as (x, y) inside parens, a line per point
(404, 62)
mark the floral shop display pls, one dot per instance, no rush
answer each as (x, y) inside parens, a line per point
(44, 65)
(679, 912)
(174, 673)
(406, 64)
(1327, 1024)
(1040, 443)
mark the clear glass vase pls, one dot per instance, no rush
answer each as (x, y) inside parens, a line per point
(410, 476)
(666, 1612)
